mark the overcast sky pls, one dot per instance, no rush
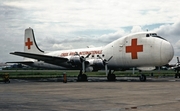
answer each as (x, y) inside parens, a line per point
(68, 24)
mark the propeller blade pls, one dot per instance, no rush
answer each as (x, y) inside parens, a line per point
(83, 62)
(88, 55)
(83, 67)
(100, 57)
(178, 59)
(106, 69)
(105, 62)
(110, 58)
(178, 63)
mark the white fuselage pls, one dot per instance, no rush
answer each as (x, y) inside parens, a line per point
(135, 50)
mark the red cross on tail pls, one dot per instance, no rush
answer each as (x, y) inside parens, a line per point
(134, 49)
(29, 43)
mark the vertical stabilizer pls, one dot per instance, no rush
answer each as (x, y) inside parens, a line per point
(30, 42)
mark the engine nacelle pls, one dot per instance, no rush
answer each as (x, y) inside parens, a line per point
(96, 63)
(75, 60)
(89, 69)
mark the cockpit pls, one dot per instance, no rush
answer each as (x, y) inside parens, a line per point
(154, 35)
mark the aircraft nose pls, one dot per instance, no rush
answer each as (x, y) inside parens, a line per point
(167, 52)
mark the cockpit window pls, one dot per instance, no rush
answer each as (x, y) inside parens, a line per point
(154, 35)
(159, 37)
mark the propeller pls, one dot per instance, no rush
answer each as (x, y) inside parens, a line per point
(105, 62)
(83, 59)
(178, 63)
(176, 66)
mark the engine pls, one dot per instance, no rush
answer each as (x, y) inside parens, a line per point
(75, 60)
(91, 65)
(96, 63)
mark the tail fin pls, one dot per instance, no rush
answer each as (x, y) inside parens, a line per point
(30, 42)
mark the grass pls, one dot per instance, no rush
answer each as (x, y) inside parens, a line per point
(36, 74)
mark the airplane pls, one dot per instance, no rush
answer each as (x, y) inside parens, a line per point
(176, 67)
(142, 50)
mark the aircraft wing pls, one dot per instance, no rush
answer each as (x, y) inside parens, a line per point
(40, 57)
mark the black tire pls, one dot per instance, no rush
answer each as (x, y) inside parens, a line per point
(142, 78)
(179, 75)
(176, 75)
(111, 77)
(82, 77)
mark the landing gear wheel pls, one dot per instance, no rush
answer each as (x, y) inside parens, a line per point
(111, 77)
(82, 77)
(176, 75)
(142, 78)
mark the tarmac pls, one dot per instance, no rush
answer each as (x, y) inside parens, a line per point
(156, 94)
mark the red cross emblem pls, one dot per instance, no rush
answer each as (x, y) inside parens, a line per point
(134, 49)
(29, 43)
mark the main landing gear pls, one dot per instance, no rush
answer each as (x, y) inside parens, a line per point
(111, 76)
(177, 74)
(142, 78)
(82, 77)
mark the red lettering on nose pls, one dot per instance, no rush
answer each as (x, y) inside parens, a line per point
(134, 49)
(29, 43)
